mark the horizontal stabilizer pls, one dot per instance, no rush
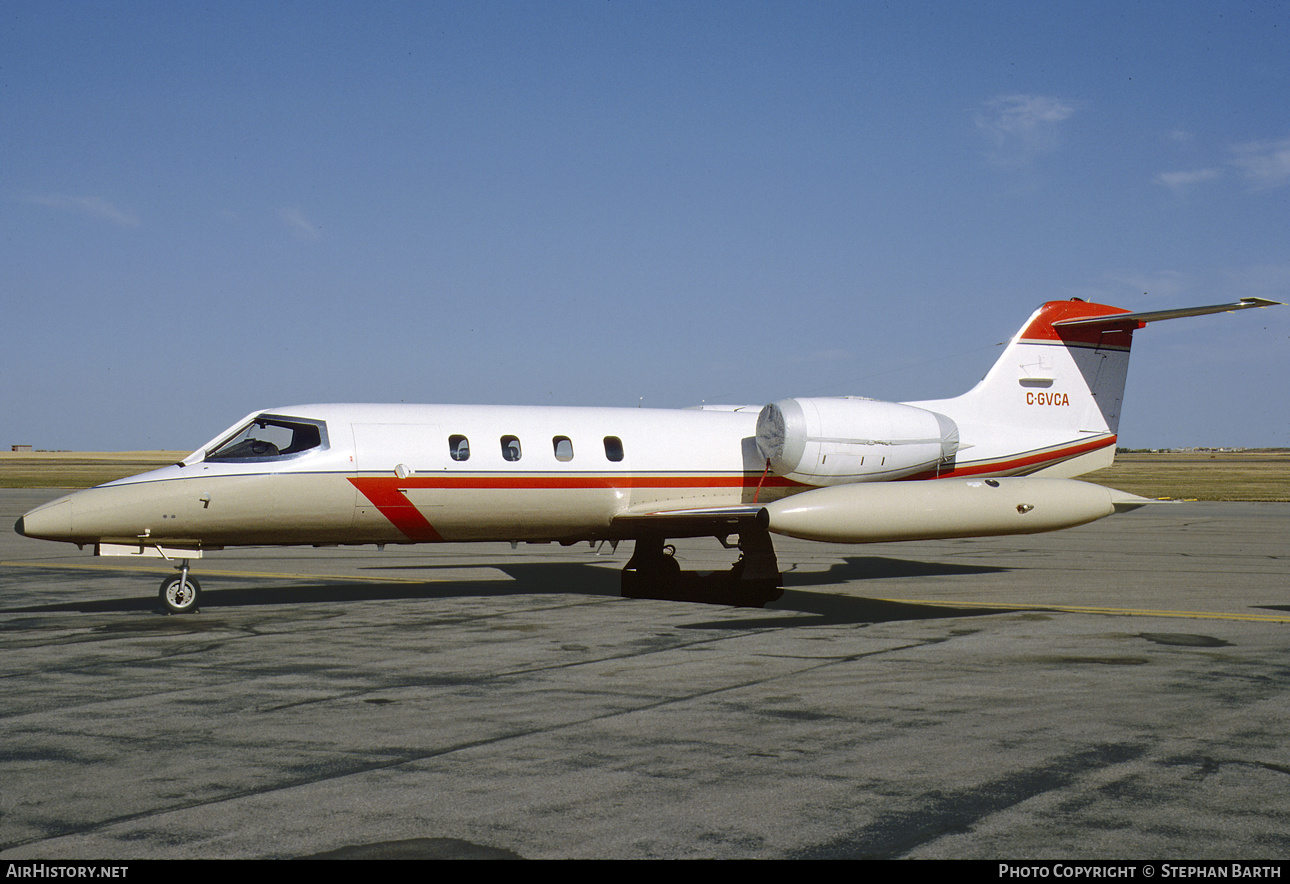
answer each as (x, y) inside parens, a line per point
(1157, 315)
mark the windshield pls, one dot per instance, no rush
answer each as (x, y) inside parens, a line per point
(269, 436)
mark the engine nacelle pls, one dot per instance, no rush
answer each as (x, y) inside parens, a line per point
(838, 441)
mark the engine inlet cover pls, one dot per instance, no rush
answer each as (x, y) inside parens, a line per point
(822, 441)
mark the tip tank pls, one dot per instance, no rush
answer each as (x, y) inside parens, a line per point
(876, 512)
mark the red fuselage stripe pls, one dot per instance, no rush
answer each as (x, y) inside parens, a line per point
(606, 480)
(388, 493)
(395, 506)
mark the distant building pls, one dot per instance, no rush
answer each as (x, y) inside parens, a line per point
(20, 448)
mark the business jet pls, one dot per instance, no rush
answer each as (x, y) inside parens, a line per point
(996, 460)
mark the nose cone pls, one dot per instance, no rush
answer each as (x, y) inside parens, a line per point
(112, 513)
(53, 521)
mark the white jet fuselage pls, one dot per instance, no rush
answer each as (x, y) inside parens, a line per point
(836, 469)
(422, 473)
(387, 474)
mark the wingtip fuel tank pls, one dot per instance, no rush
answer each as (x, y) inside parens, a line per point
(894, 511)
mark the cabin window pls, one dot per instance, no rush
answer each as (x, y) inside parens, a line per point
(614, 448)
(563, 448)
(268, 437)
(510, 448)
(459, 447)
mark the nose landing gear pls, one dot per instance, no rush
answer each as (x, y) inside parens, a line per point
(180, 594)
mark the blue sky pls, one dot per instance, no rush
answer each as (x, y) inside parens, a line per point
(209, 209)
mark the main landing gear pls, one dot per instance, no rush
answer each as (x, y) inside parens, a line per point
(180, 594)
(654, 573)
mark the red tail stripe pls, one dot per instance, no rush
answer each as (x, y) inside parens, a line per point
(1013, 464)
(1041, 327)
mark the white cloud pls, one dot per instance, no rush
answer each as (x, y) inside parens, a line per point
(1183, 180)
(299, 224)
(1265, 163)
(1022, 126)
(87, 205)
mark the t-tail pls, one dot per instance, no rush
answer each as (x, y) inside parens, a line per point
(1051, 403)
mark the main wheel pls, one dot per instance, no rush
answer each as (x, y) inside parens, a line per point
(180, 595)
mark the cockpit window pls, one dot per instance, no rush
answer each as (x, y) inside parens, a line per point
(268, 437)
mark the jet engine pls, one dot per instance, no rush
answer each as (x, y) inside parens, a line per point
(827, 441)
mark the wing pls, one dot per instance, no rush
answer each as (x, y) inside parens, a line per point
(720, 521)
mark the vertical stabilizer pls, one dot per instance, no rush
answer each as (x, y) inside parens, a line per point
(1064, 378)
(1051, 404)
(1053, 396)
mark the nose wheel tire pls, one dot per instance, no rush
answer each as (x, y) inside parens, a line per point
(179, 594)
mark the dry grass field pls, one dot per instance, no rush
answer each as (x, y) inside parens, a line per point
(77, 469)
(1247, 475)
(1201, 475)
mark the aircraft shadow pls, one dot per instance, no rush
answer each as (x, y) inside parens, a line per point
(577, 578)
(539, 576)
(854, 568)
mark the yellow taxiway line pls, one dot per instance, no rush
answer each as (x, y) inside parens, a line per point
(1089, 609)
